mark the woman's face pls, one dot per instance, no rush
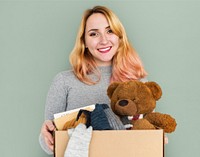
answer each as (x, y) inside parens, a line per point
(100, 40)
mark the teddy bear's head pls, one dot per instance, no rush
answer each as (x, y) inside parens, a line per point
(133, 97)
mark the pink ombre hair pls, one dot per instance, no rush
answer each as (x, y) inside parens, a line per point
(126, 64)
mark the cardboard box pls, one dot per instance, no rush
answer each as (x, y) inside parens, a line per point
(118, 143)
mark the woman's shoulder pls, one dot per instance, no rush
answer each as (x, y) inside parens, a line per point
(63, 75)
(66, 73)
(64, 79)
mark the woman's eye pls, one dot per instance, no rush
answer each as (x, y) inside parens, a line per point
(110, 31)
(93, 34)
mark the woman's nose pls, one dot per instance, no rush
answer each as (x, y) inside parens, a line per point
(104, 39)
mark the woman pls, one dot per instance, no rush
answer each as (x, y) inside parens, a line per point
(102, 54)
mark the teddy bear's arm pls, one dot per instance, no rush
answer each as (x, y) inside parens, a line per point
(164, 121)
(142, 124)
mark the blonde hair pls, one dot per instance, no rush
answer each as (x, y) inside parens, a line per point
(126, 64)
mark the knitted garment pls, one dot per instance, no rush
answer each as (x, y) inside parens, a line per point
(99, 120)
(78, 145)
(102, 118)
(113, 119)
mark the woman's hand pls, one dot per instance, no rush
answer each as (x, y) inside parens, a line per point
(46, 131)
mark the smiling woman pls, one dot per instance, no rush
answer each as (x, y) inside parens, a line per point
(101, 25)
(102, 54)
(100, 41)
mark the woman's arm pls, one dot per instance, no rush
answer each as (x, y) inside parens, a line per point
(55, 103)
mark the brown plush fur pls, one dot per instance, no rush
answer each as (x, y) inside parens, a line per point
(73, 123)
(134, 97)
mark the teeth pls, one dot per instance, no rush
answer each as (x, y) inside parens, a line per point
(104, 49)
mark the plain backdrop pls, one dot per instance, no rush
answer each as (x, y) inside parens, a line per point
(36, 38)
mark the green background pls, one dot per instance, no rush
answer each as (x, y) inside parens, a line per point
(36, 38)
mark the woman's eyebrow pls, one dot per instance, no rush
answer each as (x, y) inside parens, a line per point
(94, 29)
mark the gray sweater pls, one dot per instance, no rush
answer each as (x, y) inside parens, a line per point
(67, 93)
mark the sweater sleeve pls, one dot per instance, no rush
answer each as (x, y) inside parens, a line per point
(56, 98)
(56, 102)
(44, 146)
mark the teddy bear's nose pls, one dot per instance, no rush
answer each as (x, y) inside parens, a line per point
(123, 102)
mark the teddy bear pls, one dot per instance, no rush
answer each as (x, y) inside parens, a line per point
(136, 98)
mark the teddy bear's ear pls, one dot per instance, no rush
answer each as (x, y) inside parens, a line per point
(155, 89)
(111, 88)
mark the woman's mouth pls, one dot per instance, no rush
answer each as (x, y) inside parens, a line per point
(104, 50)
